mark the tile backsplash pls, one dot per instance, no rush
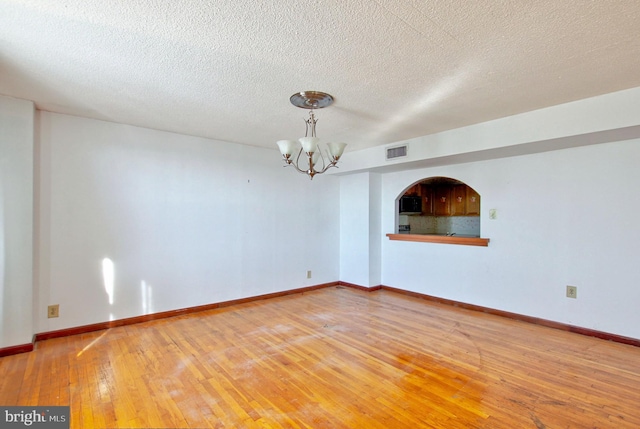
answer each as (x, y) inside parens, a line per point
(461, 225)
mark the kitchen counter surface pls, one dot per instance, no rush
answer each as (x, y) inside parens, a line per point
(467, 240)
(446, 235)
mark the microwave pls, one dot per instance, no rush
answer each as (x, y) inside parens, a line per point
(410, 204)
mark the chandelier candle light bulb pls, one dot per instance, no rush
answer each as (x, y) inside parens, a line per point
(310, 144)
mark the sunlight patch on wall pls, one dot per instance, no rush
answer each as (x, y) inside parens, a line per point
(147, 295)
(108, 274)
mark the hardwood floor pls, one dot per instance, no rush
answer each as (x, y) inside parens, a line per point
(332, 358)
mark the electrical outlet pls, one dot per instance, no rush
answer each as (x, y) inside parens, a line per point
(309, 274)
(53, 311)
(572, 291)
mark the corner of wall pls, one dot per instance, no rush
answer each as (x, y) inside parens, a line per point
(17, 119)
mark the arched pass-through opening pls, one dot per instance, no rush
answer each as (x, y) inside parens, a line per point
(439, 209)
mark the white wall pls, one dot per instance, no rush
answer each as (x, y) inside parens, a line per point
(186, 221)
(567, 217)
(360, 229)
(375, 229)
(16, 221)
(355, 228)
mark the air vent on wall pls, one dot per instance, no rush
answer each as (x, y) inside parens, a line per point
(396, 152)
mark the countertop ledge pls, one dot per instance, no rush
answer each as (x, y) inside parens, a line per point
(442, 239)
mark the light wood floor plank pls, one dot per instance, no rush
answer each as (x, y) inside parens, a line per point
(332, 358)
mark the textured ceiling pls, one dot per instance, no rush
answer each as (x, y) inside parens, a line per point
(224, 69)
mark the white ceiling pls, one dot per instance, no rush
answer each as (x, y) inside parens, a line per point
(398, 69)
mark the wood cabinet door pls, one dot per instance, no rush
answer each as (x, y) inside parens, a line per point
(442, 201)
(413, 191)
(427, 200)
(459, 200)
(473, 202)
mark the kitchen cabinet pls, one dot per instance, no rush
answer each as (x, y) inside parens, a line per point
(459, 200)
(413, 191)
(427, 200)
(473, 202)
(446, 199)
(442, 197)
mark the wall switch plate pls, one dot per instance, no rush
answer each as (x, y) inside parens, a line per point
(572, 291)
(493, 214)
(309, 274)
(53, 311)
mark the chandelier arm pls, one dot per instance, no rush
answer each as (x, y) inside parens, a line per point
(311, 171)
(297, 168)
(332, 164)
(324, 163)
(295, 164)
(298, 157)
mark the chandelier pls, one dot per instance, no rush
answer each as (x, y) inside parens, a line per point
(313, 162)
